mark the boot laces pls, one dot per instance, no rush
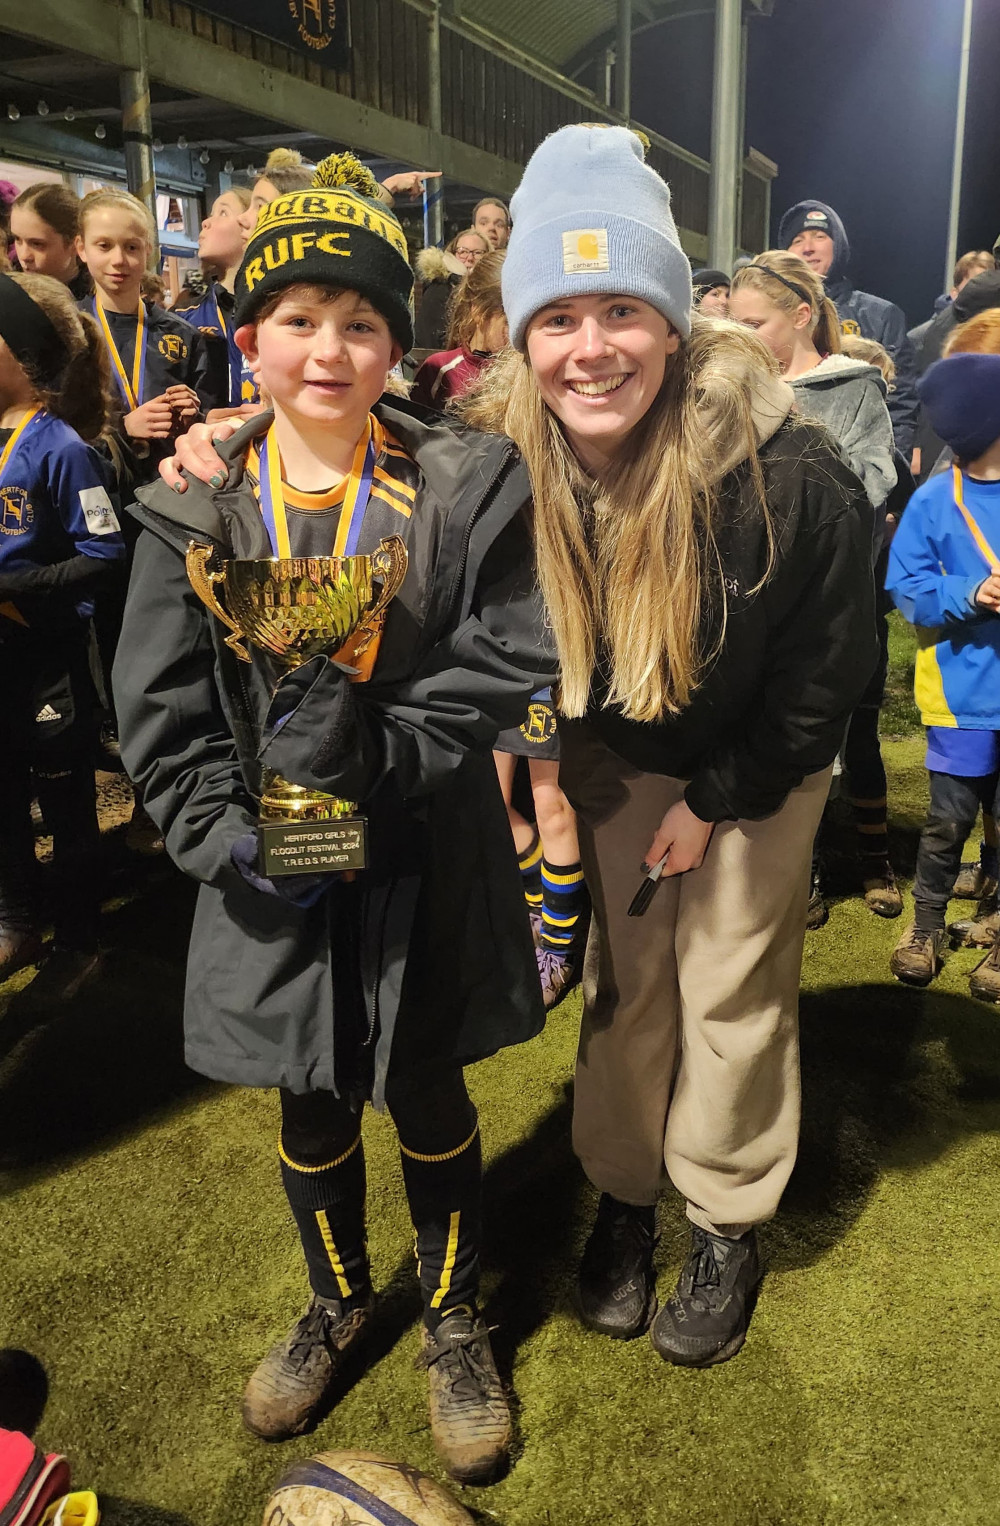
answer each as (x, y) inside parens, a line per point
(467, 1372)
(312, 1330)
(703, 1273)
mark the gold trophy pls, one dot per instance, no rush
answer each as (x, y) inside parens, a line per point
(295, 608)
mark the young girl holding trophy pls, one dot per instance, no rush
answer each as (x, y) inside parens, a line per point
(400, 722)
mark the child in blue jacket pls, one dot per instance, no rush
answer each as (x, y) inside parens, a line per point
(944, 574)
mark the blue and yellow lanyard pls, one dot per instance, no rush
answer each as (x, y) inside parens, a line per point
(359, 486)
(131, 387)
(992, 560)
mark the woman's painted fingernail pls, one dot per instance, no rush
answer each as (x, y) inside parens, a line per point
(217, 480)
(178, 485)
(644, 867)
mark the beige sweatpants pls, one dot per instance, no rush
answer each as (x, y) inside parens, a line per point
(689, 1055)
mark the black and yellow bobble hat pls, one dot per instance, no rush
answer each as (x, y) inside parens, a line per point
(336, 234)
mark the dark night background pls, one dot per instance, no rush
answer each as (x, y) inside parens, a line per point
(855, 100)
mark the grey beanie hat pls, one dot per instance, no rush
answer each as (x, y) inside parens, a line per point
(590, 216)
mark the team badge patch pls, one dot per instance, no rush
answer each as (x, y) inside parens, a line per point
(172, 347)
(540, 727)
(585, 250)
(16, 513)
(851, 326)
(98, 512)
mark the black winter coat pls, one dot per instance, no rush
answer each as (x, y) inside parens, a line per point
(798, 652)
(446, 961)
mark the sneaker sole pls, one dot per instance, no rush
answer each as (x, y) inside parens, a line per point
(724, 1354)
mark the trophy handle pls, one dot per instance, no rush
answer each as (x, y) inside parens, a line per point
(203, 582)
(389, 562)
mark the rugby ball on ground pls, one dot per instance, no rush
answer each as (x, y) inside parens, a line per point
(360, 1489)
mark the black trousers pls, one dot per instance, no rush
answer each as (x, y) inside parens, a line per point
(955, 803)
(47, 702)
(323, 1169)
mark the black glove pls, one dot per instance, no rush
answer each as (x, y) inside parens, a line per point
(301, 890)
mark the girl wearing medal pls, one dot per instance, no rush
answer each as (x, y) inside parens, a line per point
(44, 224)
(207, 303)
(159, 364)
(386, 986)
(60, 545)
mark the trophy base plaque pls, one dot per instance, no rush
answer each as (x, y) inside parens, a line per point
(302, 831)
(312, 847)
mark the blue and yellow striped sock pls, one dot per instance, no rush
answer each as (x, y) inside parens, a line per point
(564, 902)
(530, 864)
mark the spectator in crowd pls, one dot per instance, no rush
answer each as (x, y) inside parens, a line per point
(44, 224)
(711, 292)
(441, 272)
(944, 574)
(780, 297)
(977, 295)
(813, 230)
(672, 482)
(491, 218)
(477, 333)
(8, 195)
(60, 545)
(972, 264)
(207, 302)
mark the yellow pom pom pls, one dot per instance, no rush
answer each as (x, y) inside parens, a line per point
(345, 170)
(642, 139)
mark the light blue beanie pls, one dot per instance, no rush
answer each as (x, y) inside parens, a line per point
(591, 216)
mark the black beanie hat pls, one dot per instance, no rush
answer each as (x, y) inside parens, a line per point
(815, 219)
(962, 396)
(708, 280)
(336, 234)
(977, 295)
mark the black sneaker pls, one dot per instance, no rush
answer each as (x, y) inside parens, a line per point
(470, 1416)
(288, 1390)
(616, 1290)
(707, 1318)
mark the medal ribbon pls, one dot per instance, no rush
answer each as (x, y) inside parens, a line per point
(131, 388)
(359, 486)
(992, 560)
(16, 438)
(235, 356)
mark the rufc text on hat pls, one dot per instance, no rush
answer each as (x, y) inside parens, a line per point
(962, 396)
(591, 217)
(338, 234)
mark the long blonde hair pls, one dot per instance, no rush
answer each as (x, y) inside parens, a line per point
(768, 274)
(628, 566)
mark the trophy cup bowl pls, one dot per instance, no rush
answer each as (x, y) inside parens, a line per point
(297, 608)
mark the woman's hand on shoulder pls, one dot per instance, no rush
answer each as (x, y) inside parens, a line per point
(195, 453)
(685, 836)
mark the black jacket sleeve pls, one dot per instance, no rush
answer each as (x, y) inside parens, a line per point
(903, 402)
(326, 733)
(208, 379)
(822, 650)
(176, 741)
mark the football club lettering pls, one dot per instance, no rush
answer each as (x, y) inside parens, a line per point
(316, 21)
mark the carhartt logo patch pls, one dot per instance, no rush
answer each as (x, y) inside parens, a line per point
(584, 250)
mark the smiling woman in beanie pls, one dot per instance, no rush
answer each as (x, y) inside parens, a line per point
(705, 557)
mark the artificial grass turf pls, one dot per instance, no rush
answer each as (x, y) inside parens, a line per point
(148, 1258)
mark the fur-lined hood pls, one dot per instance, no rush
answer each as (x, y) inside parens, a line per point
(433, 264)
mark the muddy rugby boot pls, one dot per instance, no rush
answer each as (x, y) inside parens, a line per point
(916, 959)
(470, 1416)
(287, 1391)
